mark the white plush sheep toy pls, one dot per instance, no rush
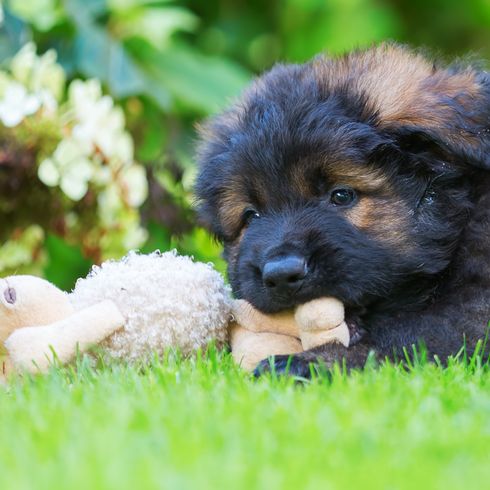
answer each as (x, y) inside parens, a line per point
(133, 308)
(143, 305)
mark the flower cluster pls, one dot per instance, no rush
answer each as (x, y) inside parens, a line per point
(34, 83)
(88, 171)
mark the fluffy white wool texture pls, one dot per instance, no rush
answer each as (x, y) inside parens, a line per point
(168, 301)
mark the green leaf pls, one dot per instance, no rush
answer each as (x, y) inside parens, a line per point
(120, 5)
(85, 10)
(202, 246)
(23, 254)
(158, 239)
(43, 14)
(65, 263)
(156, 24)
(99, 55)
(152, 136)
(14, 33)
(199, 82)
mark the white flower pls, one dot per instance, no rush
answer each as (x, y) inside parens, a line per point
(48, 101)
(134, 237)
(5, 81)
(16, 104)
(23, 62)
(74, 182)
(98, 151)
(38, 73)
(70, 168)
(102, 175)
(48, 75)
(113, 141)
(81, 92)
(48, 172)
(94, 151)
(135, 185)
(98, 123)
(109, 204)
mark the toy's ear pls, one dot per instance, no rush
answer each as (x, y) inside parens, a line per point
(450, 110)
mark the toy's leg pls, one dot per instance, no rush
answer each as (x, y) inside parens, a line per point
(314, 338)
(321, 321)
(245, 314)
(31, 348)
(249, 348)
(320, 314)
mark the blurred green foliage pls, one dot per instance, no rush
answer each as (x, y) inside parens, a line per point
(172, 63)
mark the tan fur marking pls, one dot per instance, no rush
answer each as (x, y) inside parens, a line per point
(383, 219)
(359, 178)
(235, 199)
(231, 211)
(233, 249)
(402, 86)
(362, 215)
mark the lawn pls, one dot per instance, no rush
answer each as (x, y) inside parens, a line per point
(202, 423)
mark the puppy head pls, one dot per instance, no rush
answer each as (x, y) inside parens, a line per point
(344, 177)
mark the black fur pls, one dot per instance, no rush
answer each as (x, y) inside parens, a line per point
(276, 150)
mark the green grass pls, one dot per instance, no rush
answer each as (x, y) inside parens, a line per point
(203, 423)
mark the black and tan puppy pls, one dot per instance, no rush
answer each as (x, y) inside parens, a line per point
(366, 178)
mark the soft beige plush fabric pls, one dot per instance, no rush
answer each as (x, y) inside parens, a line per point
(167, 300)
(255, 336)
(28, 300)
(32, 349)
(145, 304)
(133, 308)
(249, 348)
(321, 321)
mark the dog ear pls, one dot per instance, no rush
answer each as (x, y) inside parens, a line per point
(410, 95)
(448, 109)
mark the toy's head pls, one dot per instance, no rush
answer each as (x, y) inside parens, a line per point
(30, 300)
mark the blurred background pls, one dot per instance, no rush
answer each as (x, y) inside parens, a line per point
(99, 100)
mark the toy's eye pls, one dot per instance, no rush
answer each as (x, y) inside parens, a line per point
(343, 196)
(249, 214)
(10, 295)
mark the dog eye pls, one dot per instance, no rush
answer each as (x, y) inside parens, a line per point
(429, 197)
(249, 214)
(343, 196)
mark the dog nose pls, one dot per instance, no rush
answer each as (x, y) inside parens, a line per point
(285, 272)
